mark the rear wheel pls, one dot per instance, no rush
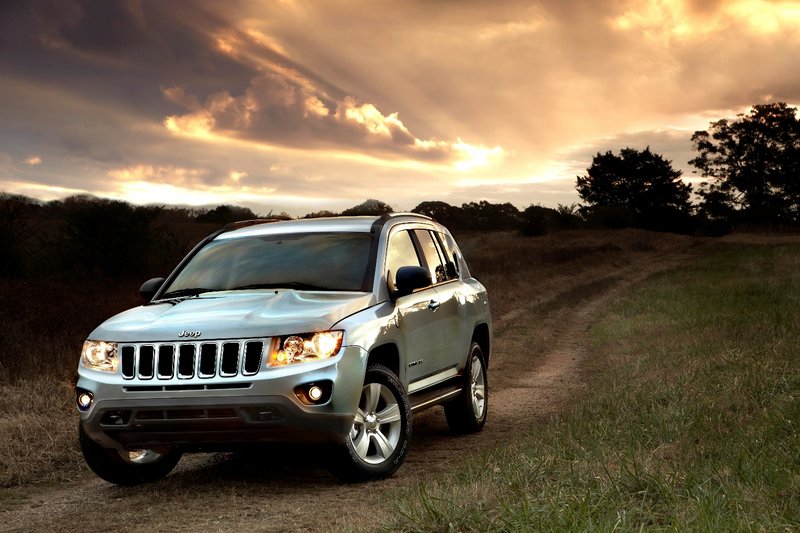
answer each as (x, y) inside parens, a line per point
(378, 442)
(467, 413)
(132, 467)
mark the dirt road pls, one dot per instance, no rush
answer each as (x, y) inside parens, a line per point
(534, 372)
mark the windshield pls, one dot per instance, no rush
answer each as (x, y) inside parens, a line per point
(310, 261)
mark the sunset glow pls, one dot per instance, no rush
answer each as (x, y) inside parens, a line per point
(300, 106)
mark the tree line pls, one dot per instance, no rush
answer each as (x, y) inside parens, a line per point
(751, 168)
(751, 164)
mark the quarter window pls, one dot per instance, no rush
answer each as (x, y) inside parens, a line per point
(451, 265)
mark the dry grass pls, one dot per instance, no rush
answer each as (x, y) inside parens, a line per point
(515, 268)
(38, 433)
(45, 322)
(44, 325)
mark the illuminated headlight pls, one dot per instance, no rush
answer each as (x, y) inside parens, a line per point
(99, 355)
(305, 347)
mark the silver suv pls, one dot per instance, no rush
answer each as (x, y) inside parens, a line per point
(332, 331)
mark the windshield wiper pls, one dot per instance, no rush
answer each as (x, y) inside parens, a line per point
(287, 285)
(178, 293)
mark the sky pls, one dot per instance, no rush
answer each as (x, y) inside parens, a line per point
(299, 106)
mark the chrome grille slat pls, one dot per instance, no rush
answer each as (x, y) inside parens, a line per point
(252, 357)
(146, 362)
(186, 361)
(208, 361)
(229, 362)
(162, 361)
(166, 361)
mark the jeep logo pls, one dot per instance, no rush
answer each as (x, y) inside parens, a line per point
(192, 334)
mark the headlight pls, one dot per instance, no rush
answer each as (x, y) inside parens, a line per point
(305, 347)
(99, 355)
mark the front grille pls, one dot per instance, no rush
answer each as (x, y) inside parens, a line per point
(162, 361)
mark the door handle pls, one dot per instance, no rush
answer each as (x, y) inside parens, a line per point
(433, 305)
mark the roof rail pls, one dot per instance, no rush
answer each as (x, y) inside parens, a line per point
(245, 223)
(387, 216)
(384, 218)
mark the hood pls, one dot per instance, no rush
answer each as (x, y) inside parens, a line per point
(233, 315)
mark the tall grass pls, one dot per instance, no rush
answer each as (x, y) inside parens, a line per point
(691, 421)
(44, 324)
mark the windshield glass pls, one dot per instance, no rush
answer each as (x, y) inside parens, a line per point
(310, 261)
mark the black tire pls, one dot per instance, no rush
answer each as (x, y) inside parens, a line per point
(111, 466)
(467, 413)
(379, 440)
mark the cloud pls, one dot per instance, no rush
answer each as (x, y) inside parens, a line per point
(33, 160)
(300, 101)
(283, 107)
(159, 174)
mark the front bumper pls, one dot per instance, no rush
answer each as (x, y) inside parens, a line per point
(225, 412)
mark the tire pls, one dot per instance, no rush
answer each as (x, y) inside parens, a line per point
(467, 413)
(377, 444)
(140, 466)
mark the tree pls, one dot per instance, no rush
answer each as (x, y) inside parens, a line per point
(14, 231)
(540, 220)
(108, 236)
(635, 188)
(368, 207)
(321, 214)
(753, 163)
(225, 214)
(444, 213)
(485, 215)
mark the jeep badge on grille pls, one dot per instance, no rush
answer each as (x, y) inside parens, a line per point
(192, 334)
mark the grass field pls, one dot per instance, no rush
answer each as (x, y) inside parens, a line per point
(684, 413)
(691, 419)
(45, 322)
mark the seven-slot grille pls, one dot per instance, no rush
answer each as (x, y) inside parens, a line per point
(191, 359)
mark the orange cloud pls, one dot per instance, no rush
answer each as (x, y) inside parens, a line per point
(284, 107)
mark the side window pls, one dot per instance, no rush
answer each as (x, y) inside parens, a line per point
(401, 253)
(451, 263)
(433, 255)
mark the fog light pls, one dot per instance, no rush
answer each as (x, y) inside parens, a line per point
(314, 393)
(84, 400)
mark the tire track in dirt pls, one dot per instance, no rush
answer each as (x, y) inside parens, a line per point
(534, 373)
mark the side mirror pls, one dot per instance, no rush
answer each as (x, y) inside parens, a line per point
(150, 287)
(409, 279)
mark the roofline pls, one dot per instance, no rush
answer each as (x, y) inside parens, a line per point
(379, 222)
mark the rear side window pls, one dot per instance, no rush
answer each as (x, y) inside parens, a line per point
(401, 253)
(432, 254)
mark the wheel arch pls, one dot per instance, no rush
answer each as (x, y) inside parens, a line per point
(482, 336)
(387, 355)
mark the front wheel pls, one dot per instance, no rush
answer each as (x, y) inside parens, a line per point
(132, 467)
(467, 413)
(378, 442)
